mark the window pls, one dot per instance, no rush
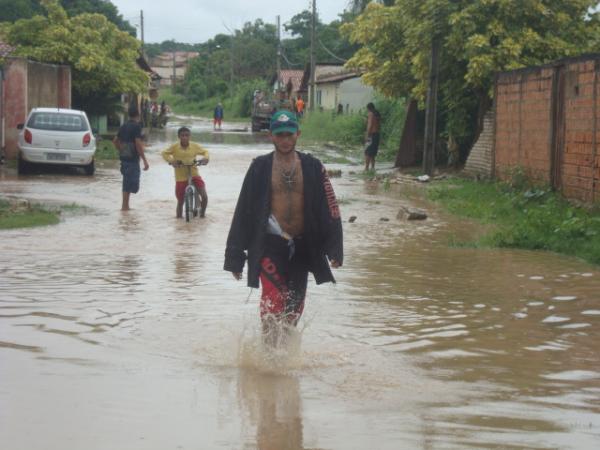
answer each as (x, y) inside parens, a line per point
(319, 95)
(56, 121)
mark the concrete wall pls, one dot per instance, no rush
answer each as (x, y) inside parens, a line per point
(28, 85)
(547, 123)
(328, 94)
(354, 95)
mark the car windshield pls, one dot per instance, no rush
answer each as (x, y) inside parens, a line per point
(57, 121)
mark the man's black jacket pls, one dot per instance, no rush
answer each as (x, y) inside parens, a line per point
(322, 221)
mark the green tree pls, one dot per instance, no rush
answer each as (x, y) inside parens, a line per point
(102, 58)
(477, 39)
(13, 10)
(330, 46)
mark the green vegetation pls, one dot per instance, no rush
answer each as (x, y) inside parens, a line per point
(349, 129)
(236, 106)
(12, 10)
(477, 39)
(524, 217)
(343, 129)
(26, 215)
(103, 58)
(106, 150)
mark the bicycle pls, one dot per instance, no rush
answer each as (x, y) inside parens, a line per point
(191, 195)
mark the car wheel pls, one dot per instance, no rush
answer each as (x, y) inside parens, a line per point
(23, 166)
(90, 168)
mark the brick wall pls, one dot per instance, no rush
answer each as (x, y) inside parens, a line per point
(580, 164)
(523, 120)
(480, 164)
(547, 124)
(28, 85)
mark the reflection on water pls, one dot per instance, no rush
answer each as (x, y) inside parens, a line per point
(274, 408)
(121, 330)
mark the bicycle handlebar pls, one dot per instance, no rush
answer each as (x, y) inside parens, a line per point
(196, 162)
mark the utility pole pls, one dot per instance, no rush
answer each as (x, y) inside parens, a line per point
(142, 27)
(278, 52)
(313, 27)
(173, 83)
(429, 141)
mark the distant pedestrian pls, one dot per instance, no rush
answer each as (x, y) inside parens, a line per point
(218, 116)
(162, 115)
(372, 136)
(299, 106)
(128, 142)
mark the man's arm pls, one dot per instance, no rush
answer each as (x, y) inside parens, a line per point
(331, 221)
(139, 146)
(238, 239)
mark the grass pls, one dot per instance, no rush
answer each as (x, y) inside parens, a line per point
(106, 150)
(348, 130)
(524, 217)
(24, 216)
(180, 104)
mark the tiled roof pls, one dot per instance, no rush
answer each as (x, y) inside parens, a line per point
(331, 78)
(294, 75)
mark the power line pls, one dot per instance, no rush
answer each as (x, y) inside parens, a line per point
(331, 53)
(288, 61)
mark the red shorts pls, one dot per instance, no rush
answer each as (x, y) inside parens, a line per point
(217, 121)
(181, 185)
(283, 280)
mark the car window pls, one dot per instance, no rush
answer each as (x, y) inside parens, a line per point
(57, 121)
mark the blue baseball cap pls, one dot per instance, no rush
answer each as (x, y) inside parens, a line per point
(284, 121)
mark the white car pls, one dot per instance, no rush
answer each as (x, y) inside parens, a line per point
(56, 136)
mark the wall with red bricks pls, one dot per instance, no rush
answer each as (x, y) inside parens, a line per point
(528, 136)
(579, 166)
(27, 85)
(523, 113)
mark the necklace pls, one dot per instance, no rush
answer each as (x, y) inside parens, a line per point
(287, 176)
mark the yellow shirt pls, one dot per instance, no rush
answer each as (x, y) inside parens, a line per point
(186, 155)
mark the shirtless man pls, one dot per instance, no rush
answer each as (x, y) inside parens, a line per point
(286, 223)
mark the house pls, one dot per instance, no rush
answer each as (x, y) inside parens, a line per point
(137, 99)
(335, 85)
(289, 81)
(24, 85)
(171, 65)
(345, 89)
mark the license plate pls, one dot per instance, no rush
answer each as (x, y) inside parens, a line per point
(56, 157)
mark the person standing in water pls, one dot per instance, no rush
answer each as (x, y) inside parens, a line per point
(286, 224)
(372, 136)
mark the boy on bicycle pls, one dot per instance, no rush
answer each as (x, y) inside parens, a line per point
(185, 152)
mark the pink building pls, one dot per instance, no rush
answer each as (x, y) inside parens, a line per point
(25, 85)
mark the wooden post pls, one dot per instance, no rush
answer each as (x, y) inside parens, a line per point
(429, 141)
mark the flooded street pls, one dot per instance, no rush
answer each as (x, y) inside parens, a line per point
(122, 331)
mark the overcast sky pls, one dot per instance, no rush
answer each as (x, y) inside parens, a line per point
(194, 21)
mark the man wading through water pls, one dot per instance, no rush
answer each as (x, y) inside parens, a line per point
(288, 221)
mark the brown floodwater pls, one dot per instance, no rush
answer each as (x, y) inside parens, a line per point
(122, 331)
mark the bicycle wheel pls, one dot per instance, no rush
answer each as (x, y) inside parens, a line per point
(189, 204)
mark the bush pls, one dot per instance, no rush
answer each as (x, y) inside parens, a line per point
(530, 218)
(345, 129)
(349, 129)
